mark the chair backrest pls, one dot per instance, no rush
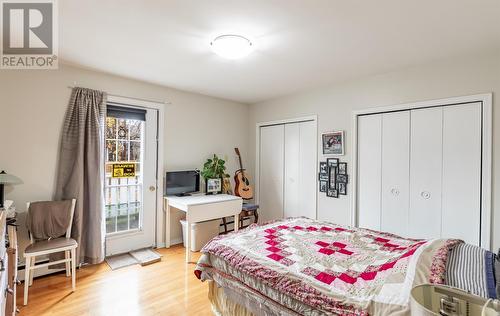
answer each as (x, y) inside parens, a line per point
(68, 231)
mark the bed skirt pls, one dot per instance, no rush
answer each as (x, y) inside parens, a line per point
(222, 305)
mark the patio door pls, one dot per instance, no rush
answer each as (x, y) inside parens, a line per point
(130, 179)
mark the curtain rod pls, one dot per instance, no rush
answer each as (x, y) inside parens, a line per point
(123, 96)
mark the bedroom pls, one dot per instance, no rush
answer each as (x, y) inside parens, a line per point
(310, 69)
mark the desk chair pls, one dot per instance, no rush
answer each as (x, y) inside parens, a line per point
(45, 247)
(248, 210)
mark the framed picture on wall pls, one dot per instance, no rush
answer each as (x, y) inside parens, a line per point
(333, 143)
(342, 169)
(323, 177)
(332, 193)
(332, 178)
(332, 162)
(323, 167)
(342, 188)
(323, 185)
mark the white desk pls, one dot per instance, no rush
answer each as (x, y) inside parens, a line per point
(199, 208)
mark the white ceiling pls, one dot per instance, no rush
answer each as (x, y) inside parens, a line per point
(299, 43)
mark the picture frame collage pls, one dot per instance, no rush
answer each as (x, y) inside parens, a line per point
(333, 177)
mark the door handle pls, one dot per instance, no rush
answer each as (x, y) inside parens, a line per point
(425, 194)
(395, 192)
(152, 188)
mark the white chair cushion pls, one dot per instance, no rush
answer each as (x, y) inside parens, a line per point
(53, 244)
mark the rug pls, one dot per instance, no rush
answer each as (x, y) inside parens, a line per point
(146, 256)
(121, 261)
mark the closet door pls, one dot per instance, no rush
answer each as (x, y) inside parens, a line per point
(271, 164)
(395, 172)
(369, 170)
(300, 170)
(426, 157)
(461, 211)
(307, 169)
(292, 170)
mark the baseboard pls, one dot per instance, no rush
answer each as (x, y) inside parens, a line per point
(38, 272)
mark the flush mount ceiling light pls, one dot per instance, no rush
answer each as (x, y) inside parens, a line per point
(231, 46)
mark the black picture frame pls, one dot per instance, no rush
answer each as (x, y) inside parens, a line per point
(342, 188)
(332, 193)
(323, 167)
(332, 177)
(323, 176)
(323, 186)
(332, 162)
(342, 178)
(342, 168)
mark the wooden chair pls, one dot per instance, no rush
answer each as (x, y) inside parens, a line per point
(248, 210)
(44, 247)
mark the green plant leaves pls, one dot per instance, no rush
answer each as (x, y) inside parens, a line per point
(214, 168)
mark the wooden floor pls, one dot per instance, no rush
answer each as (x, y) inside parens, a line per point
(168, 287)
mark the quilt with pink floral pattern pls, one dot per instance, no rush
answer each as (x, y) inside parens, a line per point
(330, 268)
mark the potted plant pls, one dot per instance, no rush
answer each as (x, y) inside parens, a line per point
(214, 172)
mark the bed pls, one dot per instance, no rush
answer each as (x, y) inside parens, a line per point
(299, 266)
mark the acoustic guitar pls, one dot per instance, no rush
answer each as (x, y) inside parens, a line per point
(243, 188)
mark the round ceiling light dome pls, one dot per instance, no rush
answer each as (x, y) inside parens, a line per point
(231, 46)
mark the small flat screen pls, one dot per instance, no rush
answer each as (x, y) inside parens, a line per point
(182, 182)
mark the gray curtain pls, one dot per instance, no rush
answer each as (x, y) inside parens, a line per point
(81, 171)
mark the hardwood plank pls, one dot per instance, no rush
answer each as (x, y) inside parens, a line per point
(168, 287)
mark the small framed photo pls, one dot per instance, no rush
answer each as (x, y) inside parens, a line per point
(323, 167)
(342, 188)
(214, 186)
(333, 143)
(332, 193)
(323, 177)
(341, 178)
(323, 186)
(332, 177)
(342, 168)
(332, 162)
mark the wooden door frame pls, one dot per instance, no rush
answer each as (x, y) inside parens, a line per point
(486, 155)
(313, 118)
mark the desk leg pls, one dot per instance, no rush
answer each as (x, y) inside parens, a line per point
(188, 241)
(166, 207)
(236, 222)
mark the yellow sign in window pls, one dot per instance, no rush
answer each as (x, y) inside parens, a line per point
(123, 170)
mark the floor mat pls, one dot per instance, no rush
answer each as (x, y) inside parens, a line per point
(146, 256)
(121, 261)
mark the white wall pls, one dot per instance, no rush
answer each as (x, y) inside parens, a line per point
(334, 105)
(32, 108)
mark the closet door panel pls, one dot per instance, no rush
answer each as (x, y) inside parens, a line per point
(307, 169)
(292, 170)
(426, 159)
(462, 172)
(271, 166)
(369, 170)
(395, 172)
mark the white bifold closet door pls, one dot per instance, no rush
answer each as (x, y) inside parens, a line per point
(462, 155)
(419, 172)
(271, 165)
(287, 164)
(395, 170)
(370, 170)
(300, 170)
(426, 160)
